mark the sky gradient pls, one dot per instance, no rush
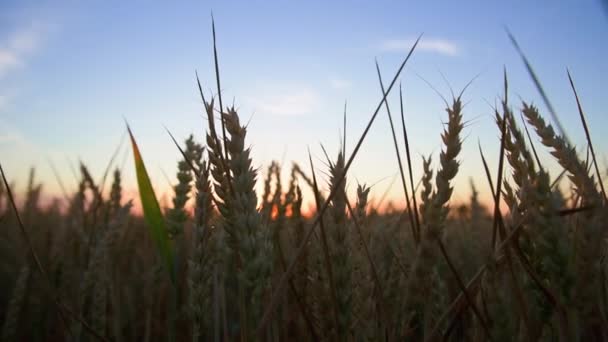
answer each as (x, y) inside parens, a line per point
(71, 72)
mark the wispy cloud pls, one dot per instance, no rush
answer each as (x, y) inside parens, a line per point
(290, 101)
(19, 45)
(436, 45)
(338, 83)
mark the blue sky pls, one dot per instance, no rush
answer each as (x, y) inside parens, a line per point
(71, 71)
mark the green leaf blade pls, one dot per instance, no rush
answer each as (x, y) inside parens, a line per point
(151, 210)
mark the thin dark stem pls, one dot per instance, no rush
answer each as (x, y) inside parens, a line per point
(588, 136)
(413, 225)
(409, 161)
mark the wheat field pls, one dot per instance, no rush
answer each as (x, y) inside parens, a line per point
(243, 265)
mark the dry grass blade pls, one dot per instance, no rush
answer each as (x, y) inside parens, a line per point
(558, 178)
(588, 136)
(538, 85)
(219, 87)
(186, 159)
(60, 306)
(487, 171)
(413, 224)
(409, 160)
(503, 137)
(274, 299)
(499, 178)
(212, 131)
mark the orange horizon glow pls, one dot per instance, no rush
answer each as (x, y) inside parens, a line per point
(390, 205)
